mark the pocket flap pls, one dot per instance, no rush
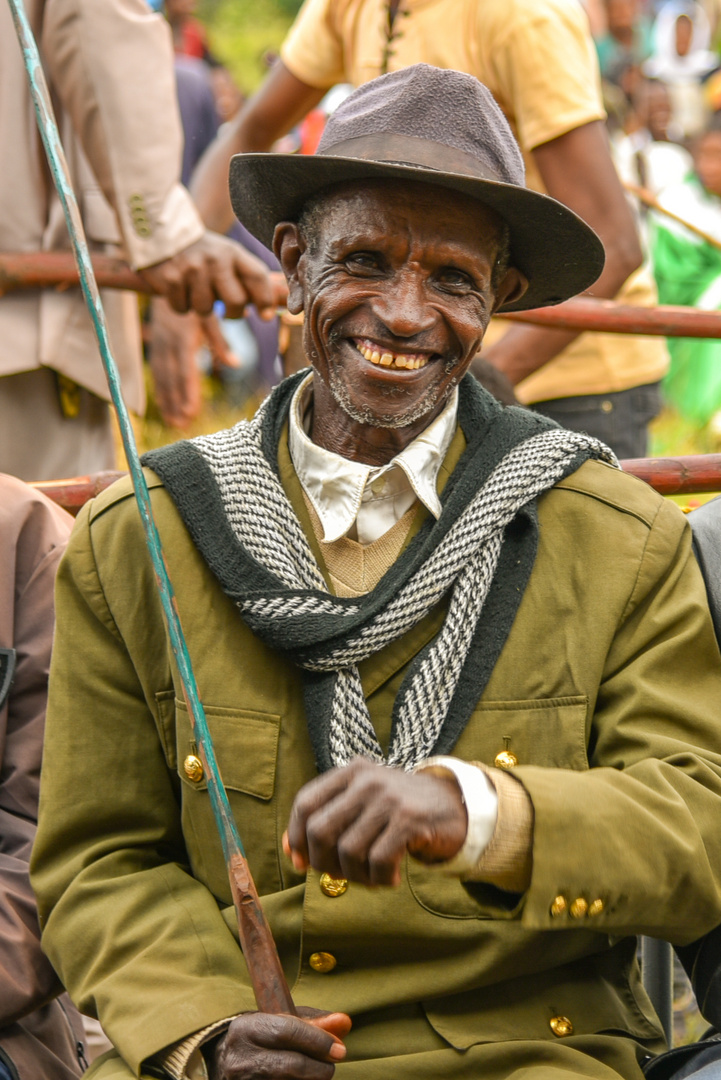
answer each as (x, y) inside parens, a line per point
(246, 746)
(550, 732)
(594, 993)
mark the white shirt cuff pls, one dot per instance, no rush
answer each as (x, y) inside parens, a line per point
(481, 803)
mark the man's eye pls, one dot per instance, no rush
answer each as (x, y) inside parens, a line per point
(454, 278)
(362, 260)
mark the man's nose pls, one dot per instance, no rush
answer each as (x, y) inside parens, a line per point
(403, 306)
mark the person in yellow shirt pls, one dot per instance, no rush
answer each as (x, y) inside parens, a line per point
(538, 59)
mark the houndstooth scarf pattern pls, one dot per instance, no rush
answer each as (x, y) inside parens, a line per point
(462, 565)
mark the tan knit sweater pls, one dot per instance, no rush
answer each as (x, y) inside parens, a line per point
(355, 568)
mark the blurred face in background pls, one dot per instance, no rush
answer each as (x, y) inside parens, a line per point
(707, 159)
(652, 105)
(179, 10)
(684, 35)
(621, 16)
(228, 95)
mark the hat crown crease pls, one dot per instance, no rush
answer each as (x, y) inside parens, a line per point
(414, 152)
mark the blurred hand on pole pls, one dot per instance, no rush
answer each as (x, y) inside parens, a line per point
(175, 341)
(213, 268)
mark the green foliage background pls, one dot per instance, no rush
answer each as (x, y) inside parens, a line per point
(241, 32)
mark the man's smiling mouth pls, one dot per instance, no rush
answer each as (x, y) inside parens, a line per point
(385, 358)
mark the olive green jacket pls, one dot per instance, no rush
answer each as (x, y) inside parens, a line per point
(608, 691)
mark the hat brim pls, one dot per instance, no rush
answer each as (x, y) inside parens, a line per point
(558, 253)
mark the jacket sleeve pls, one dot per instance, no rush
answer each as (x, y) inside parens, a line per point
(26, 976)
(111, 64)
(637, 833)
(118, 902)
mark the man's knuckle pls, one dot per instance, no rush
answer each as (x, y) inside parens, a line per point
(348, 852)
(274, 1027)
(288, 1063)
(320, 831)
(300, 809)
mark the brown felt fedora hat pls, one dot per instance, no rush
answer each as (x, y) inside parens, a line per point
(438, 127)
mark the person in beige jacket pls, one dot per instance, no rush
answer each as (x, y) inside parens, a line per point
(110, 68)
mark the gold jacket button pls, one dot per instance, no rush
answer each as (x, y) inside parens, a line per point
(595, 907)
(333, 886)
(505, 760)
(561, 1026)
(322, 961)
(193, 767)
(559, 907)
(579, 908)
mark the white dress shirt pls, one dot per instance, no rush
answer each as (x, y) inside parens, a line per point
(363, 501)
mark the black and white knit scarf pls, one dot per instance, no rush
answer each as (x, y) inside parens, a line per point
(477, 557)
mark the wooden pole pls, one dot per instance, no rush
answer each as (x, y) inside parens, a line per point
(585, 313)
(649, 199)
(687, 475)
(58, 269)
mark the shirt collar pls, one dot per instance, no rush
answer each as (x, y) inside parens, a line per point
(335, 485)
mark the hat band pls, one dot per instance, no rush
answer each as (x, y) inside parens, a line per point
(409, 150)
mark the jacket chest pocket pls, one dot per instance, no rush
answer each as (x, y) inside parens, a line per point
(550, 732)
(246, 747)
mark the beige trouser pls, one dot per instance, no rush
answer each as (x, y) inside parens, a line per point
(37, 442)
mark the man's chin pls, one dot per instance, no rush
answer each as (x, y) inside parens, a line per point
(362, 413)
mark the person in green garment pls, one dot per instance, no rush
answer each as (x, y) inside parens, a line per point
(688, 272)
(459, 670)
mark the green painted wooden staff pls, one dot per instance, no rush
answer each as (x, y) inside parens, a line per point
(269, 984)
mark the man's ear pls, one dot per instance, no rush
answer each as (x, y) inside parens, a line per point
(512, 287)
(289, 248)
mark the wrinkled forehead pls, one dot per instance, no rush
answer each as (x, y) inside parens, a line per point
(395, 206)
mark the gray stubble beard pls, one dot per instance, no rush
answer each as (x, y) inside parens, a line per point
(381, 420)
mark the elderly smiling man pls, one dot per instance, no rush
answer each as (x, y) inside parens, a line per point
(460, 672)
